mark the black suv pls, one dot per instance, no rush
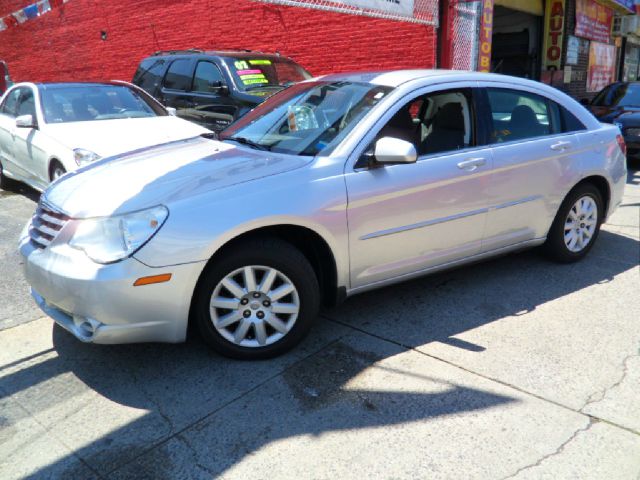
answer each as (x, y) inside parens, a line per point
(215, 88)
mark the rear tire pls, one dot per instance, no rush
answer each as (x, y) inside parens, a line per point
(240, 309)
(577, 224)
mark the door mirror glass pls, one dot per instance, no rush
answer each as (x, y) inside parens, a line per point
(26, 121)
(389, 150)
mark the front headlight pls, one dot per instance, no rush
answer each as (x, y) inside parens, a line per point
(83, 156)
(109, 239)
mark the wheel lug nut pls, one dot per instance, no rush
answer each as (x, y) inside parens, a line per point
(246, 313)
(244, 301)
(266, 303)
(256, 295)
(260, 315)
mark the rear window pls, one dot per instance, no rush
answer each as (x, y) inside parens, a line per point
(570, 122)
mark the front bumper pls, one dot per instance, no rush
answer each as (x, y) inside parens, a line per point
(99, 304)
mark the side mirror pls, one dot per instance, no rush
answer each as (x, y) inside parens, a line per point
(389, 150)
(585, 102)
(26, 121)
(171, 111)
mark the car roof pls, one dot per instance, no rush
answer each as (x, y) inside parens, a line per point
(395, 78)
(219, 53)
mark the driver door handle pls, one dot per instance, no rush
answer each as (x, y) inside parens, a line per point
(471, 164)
(560, 146)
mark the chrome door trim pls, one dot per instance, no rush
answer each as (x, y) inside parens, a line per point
(435, 221)
(445, 266)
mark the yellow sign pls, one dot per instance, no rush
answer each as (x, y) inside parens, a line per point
(554, 18)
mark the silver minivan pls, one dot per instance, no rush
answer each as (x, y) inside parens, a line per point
(334, 186)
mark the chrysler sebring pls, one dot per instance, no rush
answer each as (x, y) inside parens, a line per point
(334, 186)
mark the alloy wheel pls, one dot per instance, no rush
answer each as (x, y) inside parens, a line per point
(580, 224)
(254, 306)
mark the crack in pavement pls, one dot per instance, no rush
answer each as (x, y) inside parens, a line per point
(601, 394)
(557, 451)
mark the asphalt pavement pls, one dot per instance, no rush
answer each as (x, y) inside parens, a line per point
(513, 368)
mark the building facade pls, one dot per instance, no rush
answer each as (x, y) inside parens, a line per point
(575, 45)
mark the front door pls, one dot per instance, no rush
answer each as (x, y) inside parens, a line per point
(406, 218)
(213, 107)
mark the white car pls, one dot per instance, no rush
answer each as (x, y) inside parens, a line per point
(48, 129)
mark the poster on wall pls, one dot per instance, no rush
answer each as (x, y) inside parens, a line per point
(602, 66)
(593, 21)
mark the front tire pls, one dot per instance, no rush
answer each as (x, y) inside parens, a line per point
(56, 170)
(577, 224)
(5, 182)
(257, 300)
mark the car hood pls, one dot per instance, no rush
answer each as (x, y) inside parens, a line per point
(162, 175)
(112, 137)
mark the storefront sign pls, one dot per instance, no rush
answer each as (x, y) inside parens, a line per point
(486, 32)
(554, 29)
(573, 49)
(593, 21)
(602, 66)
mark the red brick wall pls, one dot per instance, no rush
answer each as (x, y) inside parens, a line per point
(65, 43)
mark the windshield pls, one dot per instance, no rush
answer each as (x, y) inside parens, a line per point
(255, 73)
(307, 118)
(82, 103)
(619, 95)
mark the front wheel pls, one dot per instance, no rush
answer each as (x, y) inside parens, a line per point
(576, 226)
(257, 300)
(57, 170)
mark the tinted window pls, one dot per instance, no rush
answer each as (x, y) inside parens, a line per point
(570, 122)
(179, 75)
(618, 94)
(434, 123)
(10, 103)
(206, 76)
(26, 104)
(149, 74)
(517, 115)
(93, 102)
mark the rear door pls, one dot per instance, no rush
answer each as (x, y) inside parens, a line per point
(532, 158)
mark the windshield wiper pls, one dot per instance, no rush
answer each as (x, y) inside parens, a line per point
(249, 143)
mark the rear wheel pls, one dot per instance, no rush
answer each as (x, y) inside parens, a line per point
(577, 224)
(258, 300)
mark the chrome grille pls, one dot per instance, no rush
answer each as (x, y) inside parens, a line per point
(45, 225)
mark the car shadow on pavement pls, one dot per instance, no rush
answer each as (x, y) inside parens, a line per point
(239, 407)
(17, 188)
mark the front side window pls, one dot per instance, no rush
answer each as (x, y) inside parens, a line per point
(207, 75)
(257, 73)
(11, 102)
(93, 102)
(26, 104)
(179, 75)
(308, 118)
(517, 115)
(434, 123)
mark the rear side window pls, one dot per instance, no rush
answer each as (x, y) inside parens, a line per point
(570, 122)
(179, 75)
(517, 115)
(207, 75)
(149, 74)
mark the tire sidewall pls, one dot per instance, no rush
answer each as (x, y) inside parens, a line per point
(286, 259)
(556, 244)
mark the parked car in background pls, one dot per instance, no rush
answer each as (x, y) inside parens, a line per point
(329, 188)
(619, 103)
(48, 129)
(213, 88)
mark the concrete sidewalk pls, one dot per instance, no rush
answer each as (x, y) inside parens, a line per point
(514, 368)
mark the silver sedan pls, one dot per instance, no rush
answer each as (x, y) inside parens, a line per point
(334, 186)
